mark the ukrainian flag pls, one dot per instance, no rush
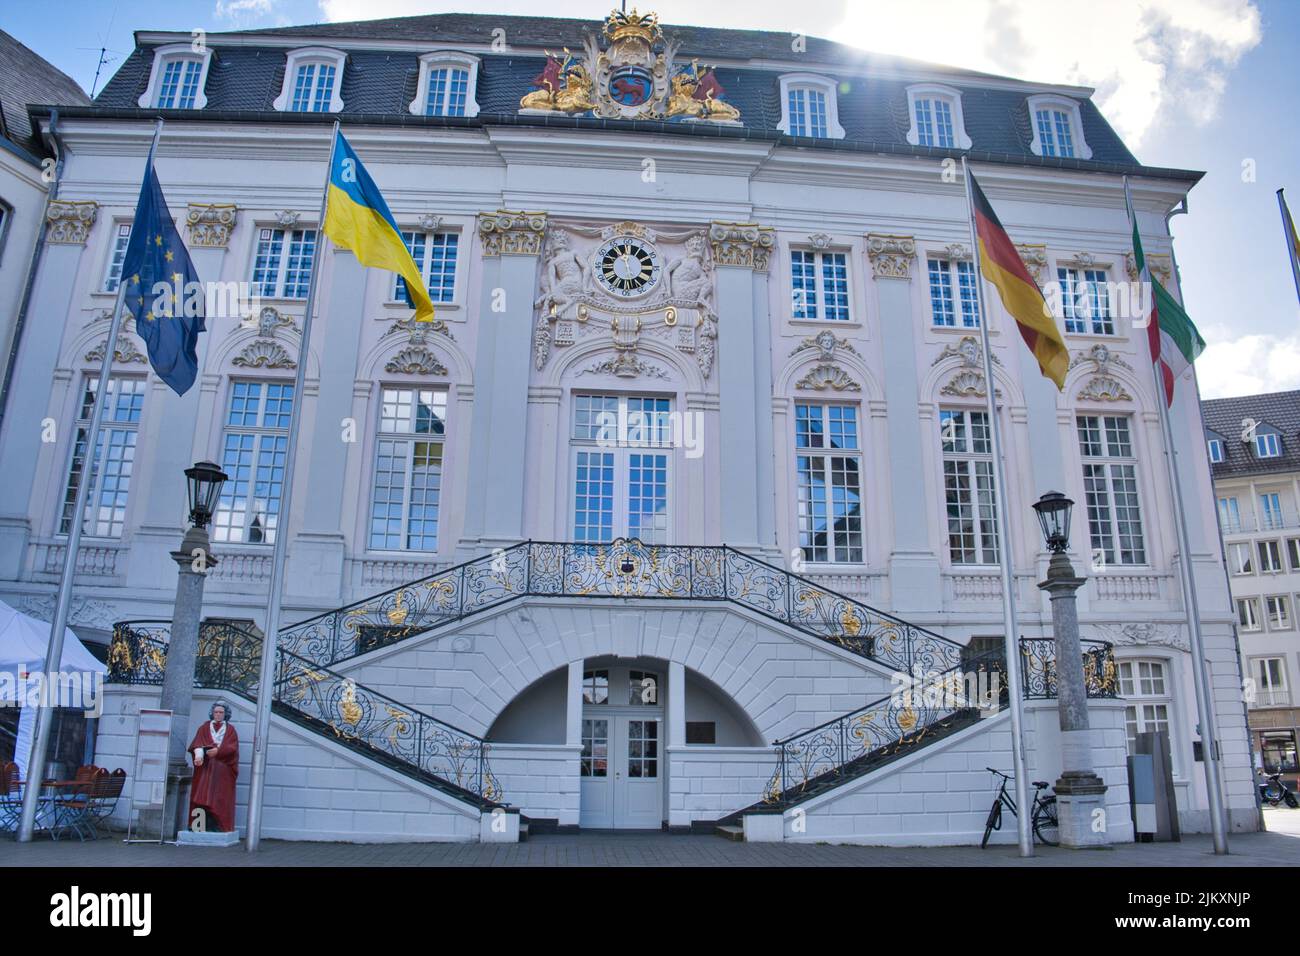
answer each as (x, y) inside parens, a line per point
(357, 218)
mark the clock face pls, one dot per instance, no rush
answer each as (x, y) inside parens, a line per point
(627, 266)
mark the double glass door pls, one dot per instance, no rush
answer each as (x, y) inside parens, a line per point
(622, 769)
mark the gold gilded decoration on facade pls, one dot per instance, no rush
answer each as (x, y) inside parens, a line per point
(68, 223)
(211, 224)
(891, 256)
(745, 244)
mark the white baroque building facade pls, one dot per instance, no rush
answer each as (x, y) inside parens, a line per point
(771, 256)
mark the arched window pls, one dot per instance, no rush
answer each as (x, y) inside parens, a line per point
(313, 79)
(448, 85)
(178, 78)
(809, 107)
(1057, 128)
(936, 117)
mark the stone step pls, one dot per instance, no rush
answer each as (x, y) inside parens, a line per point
(733, 832)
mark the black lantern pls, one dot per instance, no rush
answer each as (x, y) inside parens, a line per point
(1054, 515)
(203, 481)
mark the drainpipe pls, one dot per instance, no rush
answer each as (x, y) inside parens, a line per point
(12, 361)
(1181, 210)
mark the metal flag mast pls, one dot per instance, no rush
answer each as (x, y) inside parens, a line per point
(63, 599)
(1292, 253)
(266, 680)
(1014, 690)
(1200, 674)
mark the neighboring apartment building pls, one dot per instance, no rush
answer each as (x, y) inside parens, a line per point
(1253, 443)
(769, 251)
(26, 169)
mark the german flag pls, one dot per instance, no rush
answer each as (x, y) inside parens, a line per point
(1002, 266)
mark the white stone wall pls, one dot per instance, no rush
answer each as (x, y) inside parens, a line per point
(540, 779)
(707, 783)
(466, 675)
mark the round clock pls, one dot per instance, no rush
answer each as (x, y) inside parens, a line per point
(626, 266)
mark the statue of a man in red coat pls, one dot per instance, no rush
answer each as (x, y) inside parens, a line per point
(215, 752)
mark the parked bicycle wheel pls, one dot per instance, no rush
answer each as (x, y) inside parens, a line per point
(1290, 799)
(994, 822)
(1044, 820)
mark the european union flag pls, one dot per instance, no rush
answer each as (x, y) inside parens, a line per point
(162, 289)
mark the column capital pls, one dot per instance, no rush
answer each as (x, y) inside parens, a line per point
(68, 223)
(891, 256)
(211, 224)
(744, 244)
(507, 233)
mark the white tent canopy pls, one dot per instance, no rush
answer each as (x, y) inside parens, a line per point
(24, 642)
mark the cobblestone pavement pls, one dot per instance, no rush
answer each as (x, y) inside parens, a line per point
(1281, 847)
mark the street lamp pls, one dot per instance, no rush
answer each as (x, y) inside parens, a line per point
(203, 483)
(1079, 791)
(1054, 516)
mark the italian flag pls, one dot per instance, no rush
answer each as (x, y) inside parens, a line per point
(1171, 336)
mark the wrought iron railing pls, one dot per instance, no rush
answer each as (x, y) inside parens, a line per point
(625, 568)
(229, 659)
(919, 708)
(1038, 668)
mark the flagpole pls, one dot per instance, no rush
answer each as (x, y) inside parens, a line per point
(63, 600)
(1014, 690)
(266, 682)
(1200, 673)
(1288, 226)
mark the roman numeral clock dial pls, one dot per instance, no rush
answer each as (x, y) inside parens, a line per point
(626, 266)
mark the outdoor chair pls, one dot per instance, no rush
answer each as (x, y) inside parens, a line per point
(73, 809)
(11, 798)
(104, 796)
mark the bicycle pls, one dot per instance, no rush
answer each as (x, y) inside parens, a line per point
(1042, 818)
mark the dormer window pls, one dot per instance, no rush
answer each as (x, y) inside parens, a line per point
(312, 80)
(936, 118)
(1215, 448)
(447, 86)
(1268, 445)
(1057, 128)
(809, 108)
(177, 79)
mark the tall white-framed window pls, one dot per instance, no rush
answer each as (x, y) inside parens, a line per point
(1241, 558)
(407, 483)
(313, 81)
(1248, 614)
(828, 467)
(1270, 557)
(113, 459)
(254, 446)
(936, 118)
(954, 296)
(1110, 487)
(1146, 687)
(282, 262)
(1270, 511)
(1057, 128)
(116, 255)
(819, 285)
(1268, 445)
(1270, 682)
(809, 106)
(1277, 610)
(969, 497)
(621, 482)
(1229, 514)
(448, 85)
(1293, 553)
(1085, 301)
(1214, 447)
(178, 78)
(437, 255)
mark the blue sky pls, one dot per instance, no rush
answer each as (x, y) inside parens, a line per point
(1199, 84)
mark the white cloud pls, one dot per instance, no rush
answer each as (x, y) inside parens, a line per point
(1142, 57)
(1249, 365)
(243, 12)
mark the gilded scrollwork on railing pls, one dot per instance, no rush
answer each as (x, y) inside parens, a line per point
(623, 568)
(917, 710)
(1038, 668)
(229, 658)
